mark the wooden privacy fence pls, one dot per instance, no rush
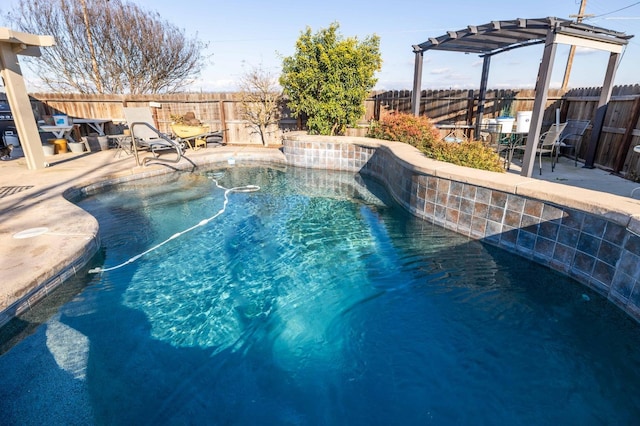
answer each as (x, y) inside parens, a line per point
(620, 132)
(619, 135)
(222, 111)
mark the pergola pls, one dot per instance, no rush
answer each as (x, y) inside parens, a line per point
(501, 36)
(12, 44)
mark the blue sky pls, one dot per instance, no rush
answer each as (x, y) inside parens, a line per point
(247, 33)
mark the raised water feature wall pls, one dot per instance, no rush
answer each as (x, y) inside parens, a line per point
(587, 235)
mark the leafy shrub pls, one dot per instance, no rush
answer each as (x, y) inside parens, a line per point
(470, 154)
(416, 131)
(421, 133)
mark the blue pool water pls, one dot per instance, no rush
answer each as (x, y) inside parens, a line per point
(314, 300)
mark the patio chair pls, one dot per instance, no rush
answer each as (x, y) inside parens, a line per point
(571, 137)
(491, 135)
(548, 144)
(146, 137)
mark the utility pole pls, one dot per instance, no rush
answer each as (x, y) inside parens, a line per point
(572, 49)
(92, 52)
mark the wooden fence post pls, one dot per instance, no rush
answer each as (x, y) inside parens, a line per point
(623, 147)
(469, 119)
(223, 121)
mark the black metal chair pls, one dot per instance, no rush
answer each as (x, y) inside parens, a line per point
(571, 137)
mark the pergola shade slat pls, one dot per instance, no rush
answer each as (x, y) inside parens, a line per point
(505, 33)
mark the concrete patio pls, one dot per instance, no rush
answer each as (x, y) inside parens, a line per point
(567, 173)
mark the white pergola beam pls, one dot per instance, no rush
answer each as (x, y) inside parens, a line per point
(588, 43)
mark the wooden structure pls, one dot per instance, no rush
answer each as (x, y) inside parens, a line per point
(502, 36)
(12, 44)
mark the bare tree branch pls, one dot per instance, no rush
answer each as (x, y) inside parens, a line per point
(260, 101)
(108, 47)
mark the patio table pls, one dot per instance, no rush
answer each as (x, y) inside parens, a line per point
(123, 143)
(60, 132)
(96, 124)
(455, 132)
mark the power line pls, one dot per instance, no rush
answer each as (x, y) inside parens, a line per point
(617, 10)
(622, 22)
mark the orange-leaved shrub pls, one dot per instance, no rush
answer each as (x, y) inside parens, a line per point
(421, 133)
(416, 131)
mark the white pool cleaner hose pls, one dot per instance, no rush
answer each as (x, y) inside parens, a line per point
(227, 191)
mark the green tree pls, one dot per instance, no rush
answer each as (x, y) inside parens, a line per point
(108, 47)
(329, 77)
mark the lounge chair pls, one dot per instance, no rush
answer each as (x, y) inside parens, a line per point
(548, 144)
(571, 137)
(146, 137)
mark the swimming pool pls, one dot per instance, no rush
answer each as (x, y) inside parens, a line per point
(315, 300)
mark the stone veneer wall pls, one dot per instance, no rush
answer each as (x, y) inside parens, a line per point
(598, 250)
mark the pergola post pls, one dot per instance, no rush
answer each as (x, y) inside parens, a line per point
(539, 103)
(21, 108)
(12, 44)
(601, 111)
(486, 62)
(417, 82)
